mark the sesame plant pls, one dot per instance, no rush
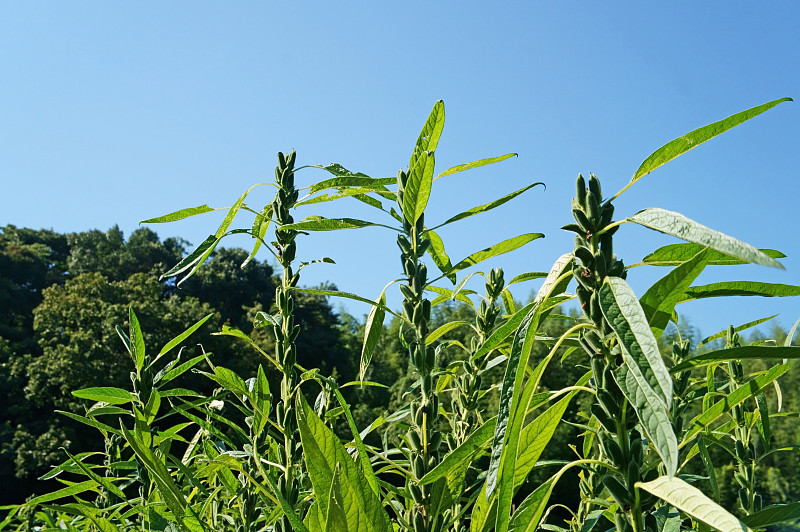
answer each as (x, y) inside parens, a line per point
(248, 458)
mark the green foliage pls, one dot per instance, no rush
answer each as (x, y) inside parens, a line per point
(463, 404)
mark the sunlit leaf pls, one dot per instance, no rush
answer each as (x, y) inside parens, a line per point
(179, 215)
(748, 352)
(475, 164)
(488, 206)
(694, 138)
(682, 227)
(693, 502)
(740, 288)
(660, 299)
(676, 254)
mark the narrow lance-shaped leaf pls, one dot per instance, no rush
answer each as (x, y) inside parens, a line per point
(137, 340)
(652, 413)
(639, 347)
(675, 224)
(677, 254)
(432, 130)
(418, 187)
(694, 138)
(693, 502)
(183, 336)
(106, 394)
(475, 164)
(498, 249)
(740, 288)
(323, 453)
(660, 299)
(459, 458)
(512, 386)
(192, 258)
(747, 352)
(179, 215)
(439, 256)
(773, 515)
(347, 295)
(739, 328)
(488, 206)
(318, 223)
(372, 333)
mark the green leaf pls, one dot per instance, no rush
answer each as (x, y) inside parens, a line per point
(172, 373)
(733, 398)
(536, 436)
(102, 427)
(340, 171)
(748, 352)
(259, 231)
(199, 253)
(444, 329)
(521, 278)
(229, 380)
(106, 394)
(475, 164)
(488, 206)
(418, 187)
(740, 288)
(639, 347)
(677, 254)
(318, 223)
(529, 513)
(724, 332)
(509, 421)
(323, 452)
(773, 515)
(179, 215)
(660, 299)
(347, 295)
(110, 486)
(158, 472)
(70, 490)
(682, 227)
(459, 458)
(498, 249)
(693, 502)
(137, 340)
(183, 336)
(228, 220)
(652, 413)
(432, 130)
(336, 520)
(372, 332)
(354, 180)
(694, 138)
(439, 256)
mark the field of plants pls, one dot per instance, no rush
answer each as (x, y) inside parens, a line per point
(241, 402)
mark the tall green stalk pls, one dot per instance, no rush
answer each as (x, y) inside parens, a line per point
(285, 337)
(620, 443)
(424, 437)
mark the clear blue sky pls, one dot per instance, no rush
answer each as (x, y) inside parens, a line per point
(114, 112)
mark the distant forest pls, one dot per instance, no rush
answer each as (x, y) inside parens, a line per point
(61, 296)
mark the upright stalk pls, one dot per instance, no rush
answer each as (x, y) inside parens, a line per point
(424, 436)
(620, 443)
(286, 335)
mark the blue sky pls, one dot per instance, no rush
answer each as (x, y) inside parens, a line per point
(112, 113)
